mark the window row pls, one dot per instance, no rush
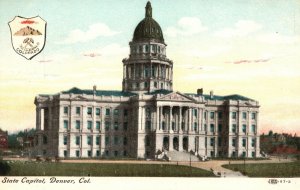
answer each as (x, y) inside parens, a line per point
(244, 128)
(89, 140)
(233, 115)
(97, 111)
(153, 48)
(244, 142)
(89, 153)
(116, 125)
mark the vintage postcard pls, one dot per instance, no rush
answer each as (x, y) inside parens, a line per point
(134, 94)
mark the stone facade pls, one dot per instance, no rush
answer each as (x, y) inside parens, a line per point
(147, 116)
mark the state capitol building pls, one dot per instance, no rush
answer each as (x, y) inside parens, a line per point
(147, 117)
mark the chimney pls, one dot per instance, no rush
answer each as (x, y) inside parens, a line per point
(211, 93)
(94, 89)
(200, 91)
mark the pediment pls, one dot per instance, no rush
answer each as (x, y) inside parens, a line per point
(78, 98)
(176, 96)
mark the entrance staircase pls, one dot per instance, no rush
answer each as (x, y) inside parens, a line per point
(181, 156)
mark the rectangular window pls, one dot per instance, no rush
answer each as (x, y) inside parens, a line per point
(77, 141)
(244, 154)
(233, 154)
(116, 112)
(65, 140)
(253, 115)
(212, 115)
(98, 125)
(89, 140)
(212, 141)
(233, 142)
(219, 127)
(116, 140)
(233, 115)
(107, 111)
(106, 153)
(97, 140)
(148, 125)
(244, 142)
(219, 141)
(253, 128)
(65, 153)
(97, 153)
(77, 153)
(253, 154)
(89, 153)
(125, 112)
(125, 141)
(89, 125)
(205, 127)
(66, 110)
(212, 154)
(66, 124)
(106, 140)
(98, 111)
(234, 128)
(244, 128)
(163, 125)
(89, 111)
(107, 125)
(195, 113)
(205, 114)
(244, 115)
(116, 153)
(125, 125)
(253, 142)
(195, 126)
(220, 115)
(77, 124)
(116, 126)
(147, 141)
(212, 128)
(78, 110)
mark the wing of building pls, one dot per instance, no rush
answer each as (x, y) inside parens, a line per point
(147, 117)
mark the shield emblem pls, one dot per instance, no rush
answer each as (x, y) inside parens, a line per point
(28, 35)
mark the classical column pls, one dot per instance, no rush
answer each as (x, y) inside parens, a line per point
(171, 118)
(157, 118)
(180, 119)
(38, 118)
(190, 119)
(124, 76)
(199, 120)
(143, 118)
(161, 117)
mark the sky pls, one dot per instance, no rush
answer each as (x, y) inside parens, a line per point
(241, 47)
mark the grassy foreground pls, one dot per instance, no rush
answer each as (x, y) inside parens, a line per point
(291, 169)
(104, 169)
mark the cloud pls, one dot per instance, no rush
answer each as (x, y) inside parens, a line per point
(92, 54)
(209, 51)
(278, 39)
(243, 61)
(241, 28)
(94, 31)
(186, 26)
(109, 50)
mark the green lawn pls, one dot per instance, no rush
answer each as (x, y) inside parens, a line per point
(104, 169)
(268, 170)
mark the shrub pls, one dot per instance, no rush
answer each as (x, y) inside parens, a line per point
(4, 168)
